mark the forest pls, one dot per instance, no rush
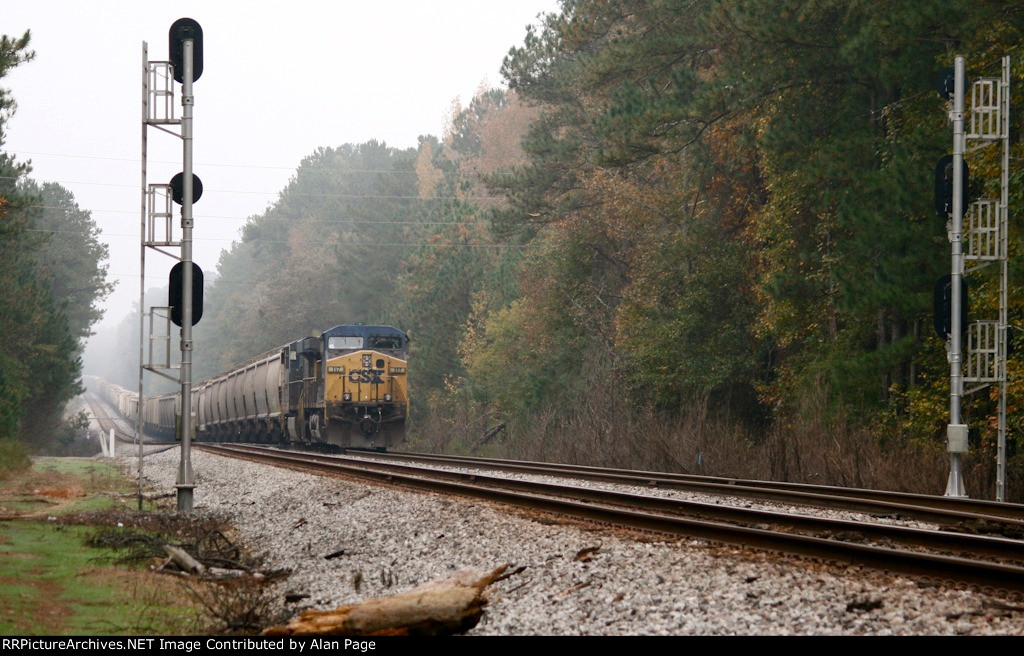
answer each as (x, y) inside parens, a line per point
(695, 235)
(52, 281)
(685, 234)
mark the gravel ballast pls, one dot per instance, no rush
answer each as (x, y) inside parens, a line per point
(576, 579)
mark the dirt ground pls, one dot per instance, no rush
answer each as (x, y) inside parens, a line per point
(51, 583)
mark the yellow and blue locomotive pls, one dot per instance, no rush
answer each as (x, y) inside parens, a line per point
(347, 386)
(358, 376)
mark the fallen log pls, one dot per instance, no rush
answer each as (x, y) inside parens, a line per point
(441, 607)
(181, 558)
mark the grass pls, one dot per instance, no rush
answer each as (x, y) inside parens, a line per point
(51, 583)
(58, 486)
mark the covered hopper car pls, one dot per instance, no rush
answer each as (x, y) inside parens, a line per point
(347, 386)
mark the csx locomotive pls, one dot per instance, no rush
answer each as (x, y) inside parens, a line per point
(347, 386)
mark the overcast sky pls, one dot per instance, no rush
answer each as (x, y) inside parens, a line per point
(280, 79)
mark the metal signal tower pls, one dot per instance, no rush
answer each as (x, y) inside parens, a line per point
(157, 233)
(979, 236)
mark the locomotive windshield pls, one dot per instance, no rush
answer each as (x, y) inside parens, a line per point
(390, 342)
(357, 337)
(376, 342)
(343, 342)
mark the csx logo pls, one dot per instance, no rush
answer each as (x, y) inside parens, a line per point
(372, 376)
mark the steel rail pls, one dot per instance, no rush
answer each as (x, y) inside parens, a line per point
(107, 421)
(972, 522)
(856, 499)
(621, 510)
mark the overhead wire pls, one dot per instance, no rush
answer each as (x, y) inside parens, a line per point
(285, 241)
(271, 218)
(275, 193)
(220, 165)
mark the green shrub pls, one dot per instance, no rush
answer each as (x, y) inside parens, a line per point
(13, 457)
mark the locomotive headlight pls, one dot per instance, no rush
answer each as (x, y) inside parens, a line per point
(347, 396)
(387, 397)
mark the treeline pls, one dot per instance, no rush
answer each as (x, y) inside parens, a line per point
(688, 232)
(52, 279)
(730, 203)
(374, 234)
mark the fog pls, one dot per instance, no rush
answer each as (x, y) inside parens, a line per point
(278, 82)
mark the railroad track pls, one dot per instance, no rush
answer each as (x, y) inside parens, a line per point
(107, 418)
(939, 555)
(923, 507)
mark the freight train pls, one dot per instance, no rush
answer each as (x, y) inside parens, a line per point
(346, 387)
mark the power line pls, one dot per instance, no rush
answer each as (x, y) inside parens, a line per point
(274, 193)
(235, 166)
(272, 218)
(211, 164)
(286, 241)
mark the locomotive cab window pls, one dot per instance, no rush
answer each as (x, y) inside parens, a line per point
(344, 342)
(384, 342)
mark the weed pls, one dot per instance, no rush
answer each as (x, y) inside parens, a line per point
(816, 444)
(14, 458)
(238, 605)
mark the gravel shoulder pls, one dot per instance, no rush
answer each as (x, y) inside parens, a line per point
(576, 579)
